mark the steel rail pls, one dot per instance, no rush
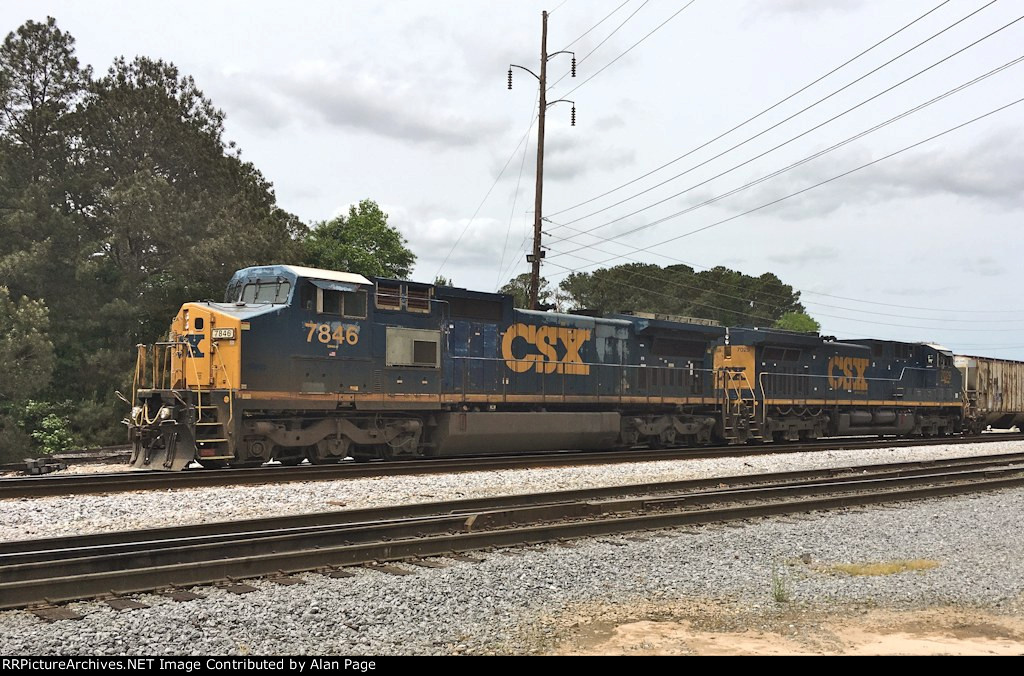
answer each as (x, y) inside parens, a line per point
(40, 548)
(154, 480)
(446, 517)
(401, 538)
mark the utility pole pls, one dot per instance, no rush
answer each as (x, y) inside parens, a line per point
(538, 199)
(538, 251)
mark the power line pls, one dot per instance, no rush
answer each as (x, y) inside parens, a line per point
(783, 296)
(483, 201)
(769, 305)
(804, 292)
(666, 295)
(816, 185)
(773, 174)
(909, 307)
(606, 39)
(675, 283)
(557, 8)
(521, 249)
(818, 126)
(635, 44)
(587, 32)
(812, 187)
(515, 198)
(751, 119)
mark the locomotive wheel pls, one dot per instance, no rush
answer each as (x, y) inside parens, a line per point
(329, 451)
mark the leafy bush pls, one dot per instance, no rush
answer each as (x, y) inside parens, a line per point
(53, 435)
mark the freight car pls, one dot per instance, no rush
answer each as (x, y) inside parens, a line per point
(299, 363)
(993, 392)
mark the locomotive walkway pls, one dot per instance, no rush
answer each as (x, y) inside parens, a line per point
(120, 482)
(113, 565)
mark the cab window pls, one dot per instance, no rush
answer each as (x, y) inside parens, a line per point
(344, 303)
(264, 294)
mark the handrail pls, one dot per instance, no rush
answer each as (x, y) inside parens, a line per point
(231, 398)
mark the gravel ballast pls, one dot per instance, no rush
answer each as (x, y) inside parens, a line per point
(516, 602)
(27, 518)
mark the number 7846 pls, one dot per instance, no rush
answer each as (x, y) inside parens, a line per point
(325, 333)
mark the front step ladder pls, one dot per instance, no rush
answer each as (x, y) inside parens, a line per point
(739, 415)
(211, 434)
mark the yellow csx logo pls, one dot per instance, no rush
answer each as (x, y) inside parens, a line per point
(545, 339)
(847, 373)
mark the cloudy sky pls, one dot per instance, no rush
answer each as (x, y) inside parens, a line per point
(917, 238)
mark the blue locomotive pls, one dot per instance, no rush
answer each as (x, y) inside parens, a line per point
(300, 363)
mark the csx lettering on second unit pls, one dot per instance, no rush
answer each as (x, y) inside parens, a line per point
(545, 339)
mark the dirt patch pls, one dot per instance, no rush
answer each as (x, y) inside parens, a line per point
(881, 567)
(711, 628)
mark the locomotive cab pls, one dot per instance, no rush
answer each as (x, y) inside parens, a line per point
(188, 389)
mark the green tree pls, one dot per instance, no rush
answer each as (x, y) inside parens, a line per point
(519, 288)
(120, 199)
(40, 82)
(725, 295)
(635, 286)
(362, 242)
(798, 321)
(26, 349)
(441, 280)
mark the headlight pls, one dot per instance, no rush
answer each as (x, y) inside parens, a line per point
(165, 412)
(136, 412)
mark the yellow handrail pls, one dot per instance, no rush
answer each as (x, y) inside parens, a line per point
(231, 398)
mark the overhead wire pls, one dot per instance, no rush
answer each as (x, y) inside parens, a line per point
(812, 187)
(587, 32)
(777, 172)
(816, 185)
(497, 178)
(606, 39)
(631, 48)
(763, 112)
(818, 126)
(515, 197)
(803, 300)
(557, 8)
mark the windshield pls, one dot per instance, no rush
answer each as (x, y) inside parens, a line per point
(259, 293)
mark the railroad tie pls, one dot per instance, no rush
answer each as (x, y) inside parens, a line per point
(55, 613)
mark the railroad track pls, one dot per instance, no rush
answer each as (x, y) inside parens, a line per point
(120, 482)
(108, 454)
(55, 570)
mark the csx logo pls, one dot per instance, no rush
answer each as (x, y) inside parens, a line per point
(193, 340)
(546, 341)
(847, 373)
